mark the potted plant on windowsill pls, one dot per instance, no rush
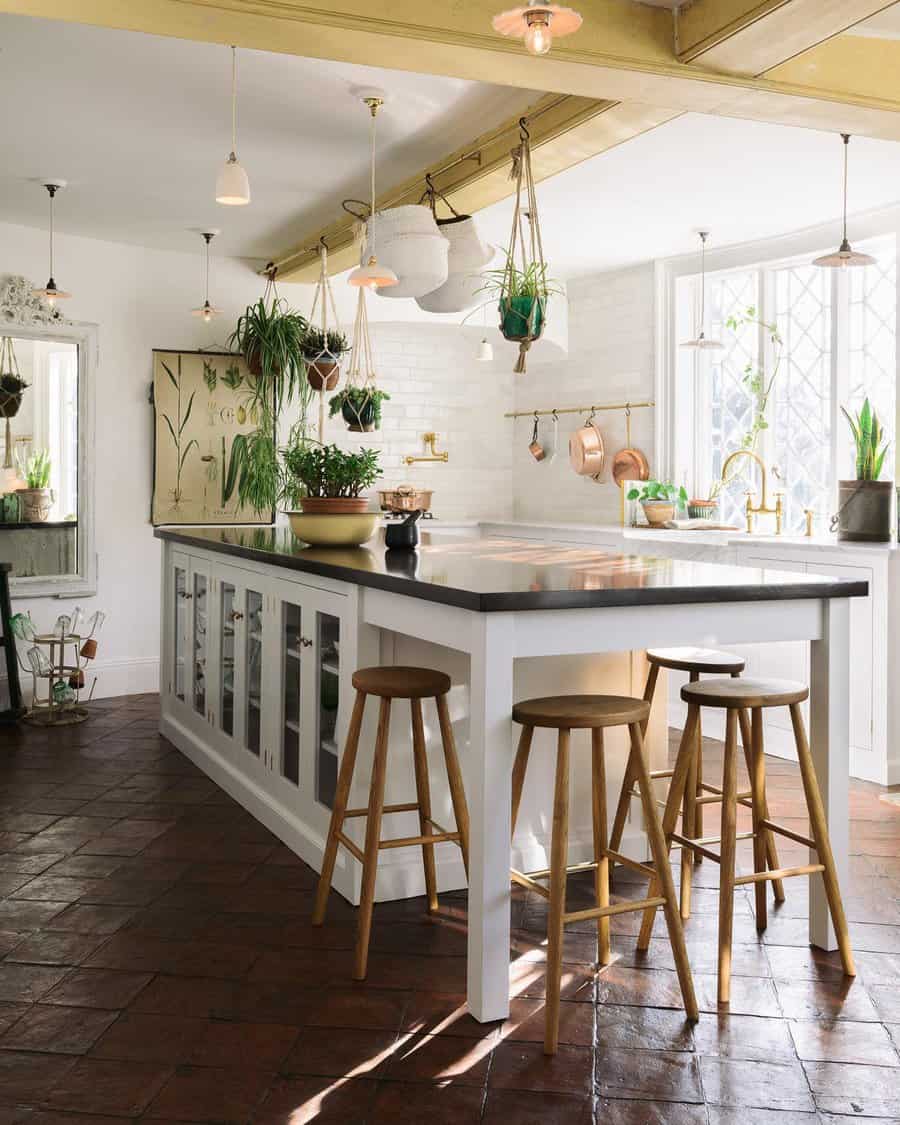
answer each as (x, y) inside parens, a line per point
(360, 407)
(323, 352)
(328, 482)
(37, 497)
(864, 504)
(660, 500)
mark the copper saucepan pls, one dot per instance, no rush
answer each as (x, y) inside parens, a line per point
(405, 498)
(586, 453)
(629, 463)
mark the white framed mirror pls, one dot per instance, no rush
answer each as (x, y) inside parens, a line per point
(47, 377)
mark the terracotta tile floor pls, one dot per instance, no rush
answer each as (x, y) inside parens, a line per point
(157, 962)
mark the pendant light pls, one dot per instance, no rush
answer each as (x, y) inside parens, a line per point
(537, 24)
(372, 275)
(845, 256)
(232, 185)
(50, 292)
(206, 310)
(700, 341)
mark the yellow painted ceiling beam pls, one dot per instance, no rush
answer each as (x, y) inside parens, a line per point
(860, 67)
(564, 131)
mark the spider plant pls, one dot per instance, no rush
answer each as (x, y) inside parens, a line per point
(270, 336)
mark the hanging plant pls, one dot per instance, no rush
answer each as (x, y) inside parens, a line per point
(360, 407)
(523, 285)
(324, 345)
(12, 385)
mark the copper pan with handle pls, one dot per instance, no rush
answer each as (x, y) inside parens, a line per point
(629, 463)
(586, 452)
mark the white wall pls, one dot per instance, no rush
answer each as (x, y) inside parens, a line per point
(611, 359)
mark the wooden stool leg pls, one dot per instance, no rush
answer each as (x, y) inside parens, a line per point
(727, 854)
(696, 829)
(624, 803)
(341, 796)
(373, 838)
(423, 796)
(689, 816)
(660, 854)
(520, 768)
(559, 848)
(454, 779)
(768, 836)
(819, 832)
(756, 767)
(601, 844)
(670, 816)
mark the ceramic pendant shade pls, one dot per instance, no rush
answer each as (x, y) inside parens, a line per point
(466, 258)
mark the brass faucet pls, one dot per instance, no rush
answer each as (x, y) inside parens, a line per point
(430, 440)
(762, 509)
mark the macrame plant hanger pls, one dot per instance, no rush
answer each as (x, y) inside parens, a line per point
(323, 298)
(9, 365)
(515, 323)
(361, 372)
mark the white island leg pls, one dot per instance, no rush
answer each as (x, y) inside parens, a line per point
(830, 742)
(489, 796)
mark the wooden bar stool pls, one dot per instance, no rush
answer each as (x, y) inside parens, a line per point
(595, 713)
(414, 684)
(737, 696)
(697, 792)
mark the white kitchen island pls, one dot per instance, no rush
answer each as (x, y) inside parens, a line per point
(245, 678)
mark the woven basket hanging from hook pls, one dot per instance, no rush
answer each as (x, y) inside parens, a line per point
(523, 315)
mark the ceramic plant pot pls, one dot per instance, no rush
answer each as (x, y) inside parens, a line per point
(9, 403)
(35, 504)
(361, 421)
(864, 511)
(658, 512)
(518, 321)
(334, 505)
(323, 374)
(702, 509)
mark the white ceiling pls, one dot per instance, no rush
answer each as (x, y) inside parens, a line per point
(139, 126)
(741, 180)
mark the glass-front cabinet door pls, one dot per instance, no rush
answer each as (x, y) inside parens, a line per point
(293, 655)
(199, 601)
(177, 625)
(328, 700)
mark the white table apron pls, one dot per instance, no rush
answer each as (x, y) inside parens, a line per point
(494, 640)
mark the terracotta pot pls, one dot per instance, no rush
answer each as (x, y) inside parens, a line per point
(254, 366)
(702, 509)
(335, 505)
(658, 512)
(36, 504)
(323, 374)
(89, 649)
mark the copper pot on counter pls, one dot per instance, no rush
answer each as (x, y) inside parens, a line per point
(405, 498)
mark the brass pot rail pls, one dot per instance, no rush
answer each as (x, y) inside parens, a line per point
(593, 408)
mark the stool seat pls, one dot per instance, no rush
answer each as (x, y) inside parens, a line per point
(396, 682)
(709, 661)
(581, 712)
(737, 693)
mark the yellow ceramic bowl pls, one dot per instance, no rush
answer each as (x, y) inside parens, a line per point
(333, 531)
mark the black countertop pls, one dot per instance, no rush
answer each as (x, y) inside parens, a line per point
(515, 574)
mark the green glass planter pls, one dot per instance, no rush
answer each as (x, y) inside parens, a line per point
(515, 318)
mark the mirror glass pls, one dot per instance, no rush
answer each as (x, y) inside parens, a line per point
(39, 456)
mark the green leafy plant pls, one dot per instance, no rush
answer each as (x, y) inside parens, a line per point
(754, 378)
(327, 471)
(663, 491)
(177, 428)
(12, 384)
(36, 470)
(318, 344)
(868, 436)
(355, 403)
(270, 336)
(510, 281)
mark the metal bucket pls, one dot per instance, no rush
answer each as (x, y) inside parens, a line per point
(864, 511)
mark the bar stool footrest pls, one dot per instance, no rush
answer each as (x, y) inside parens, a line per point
(781, 873)
(609, 911)
(410, 806)
(417, 841)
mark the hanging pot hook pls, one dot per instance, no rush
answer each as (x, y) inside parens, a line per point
(534, 432)
(524, 135)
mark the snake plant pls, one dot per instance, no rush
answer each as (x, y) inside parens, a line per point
(868, 437)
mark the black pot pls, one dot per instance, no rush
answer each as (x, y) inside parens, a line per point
(864, 511)
(359, 420)
(10, 403)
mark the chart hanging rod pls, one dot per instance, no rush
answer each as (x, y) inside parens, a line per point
(593, 408)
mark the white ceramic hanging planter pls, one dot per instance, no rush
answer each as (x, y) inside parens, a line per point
(467, 256)
(407, 240)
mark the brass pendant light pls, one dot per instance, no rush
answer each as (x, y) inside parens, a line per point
(51, 293)
(845, 257)
(372, 275)
(700, 341)
(206, 311)
(538, 24)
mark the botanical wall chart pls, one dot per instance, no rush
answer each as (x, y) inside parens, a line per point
(203, 417)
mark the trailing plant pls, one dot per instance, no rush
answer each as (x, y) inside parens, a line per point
(512, 282)
(357, 400)
(177, 428)
(661, 491)
(327, 471)
(318, 344)
(868, 436)
(270, 336)
(36, 470)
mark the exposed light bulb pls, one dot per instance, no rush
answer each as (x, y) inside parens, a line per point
(51, 301)
(538, 36)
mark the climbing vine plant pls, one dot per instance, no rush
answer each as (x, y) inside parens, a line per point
(759, 384)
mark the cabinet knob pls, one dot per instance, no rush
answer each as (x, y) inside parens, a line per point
(184, 594)
(306, 642)
(236, 615)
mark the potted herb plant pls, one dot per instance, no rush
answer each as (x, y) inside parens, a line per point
(659, 499)
(864, 504)
(323, 352)
(360, 407)
(37, 496)
(328, 481)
